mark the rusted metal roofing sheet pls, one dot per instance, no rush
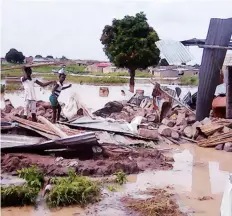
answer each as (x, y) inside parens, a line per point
(174, 52)
(88, 138)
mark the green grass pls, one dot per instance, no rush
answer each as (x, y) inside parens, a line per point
(89, 80)
(18, 195)
(189, 80)
(33, 176)
(118, 74)
(72, 190)
(13, 87)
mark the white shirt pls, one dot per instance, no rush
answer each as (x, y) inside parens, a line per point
(29, 89)
(61, 71)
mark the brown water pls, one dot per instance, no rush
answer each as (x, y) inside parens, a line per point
(197, 172)
(88, 94)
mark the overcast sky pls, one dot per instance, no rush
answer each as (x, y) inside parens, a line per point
(73, 28)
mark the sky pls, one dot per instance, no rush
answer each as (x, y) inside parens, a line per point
(73, 27)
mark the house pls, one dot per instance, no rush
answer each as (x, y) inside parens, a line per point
(97, 67)
(42, 60)
(173, 71)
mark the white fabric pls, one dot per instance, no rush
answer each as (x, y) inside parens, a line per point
(30, 105)
(48, 187)
(226, 205)
(71, 107)
(29, 89)
(61, 71)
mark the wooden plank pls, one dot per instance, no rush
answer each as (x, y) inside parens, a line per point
(52, 127)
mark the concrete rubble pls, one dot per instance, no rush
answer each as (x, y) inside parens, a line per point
(143, 119)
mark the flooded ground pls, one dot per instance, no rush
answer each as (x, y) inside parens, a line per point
(197, 172)
(88, 94)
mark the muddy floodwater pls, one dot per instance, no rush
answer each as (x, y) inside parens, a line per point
(88, 94)
(197, 172)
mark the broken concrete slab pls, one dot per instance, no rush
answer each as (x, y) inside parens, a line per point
(164, 130)
(188, 131)
(169, 123)
(150, 134)
(175, 135)
(228, 147)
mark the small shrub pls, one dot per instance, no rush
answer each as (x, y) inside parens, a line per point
(189, 80)
(33, 176)
(18, 195)
(72, 190)
(120, 177)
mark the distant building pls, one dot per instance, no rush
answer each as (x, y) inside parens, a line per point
(4, 61)
(173, 71)
(42, 60)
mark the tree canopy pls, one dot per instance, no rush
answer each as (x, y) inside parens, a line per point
(164, 62)
(38, 56)
(130, 43)
(14, 56)
(50, 56)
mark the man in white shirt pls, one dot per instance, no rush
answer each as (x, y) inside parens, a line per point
(29, 90)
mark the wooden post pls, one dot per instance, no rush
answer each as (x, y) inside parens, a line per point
(229, 93)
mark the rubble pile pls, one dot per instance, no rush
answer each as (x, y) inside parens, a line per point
(178, 126)
(42, 109)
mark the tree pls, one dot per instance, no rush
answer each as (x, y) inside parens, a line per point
(63, 58)
(14, 56)
(130, 43)
(50, 57)
(38, 56)
(164, 62)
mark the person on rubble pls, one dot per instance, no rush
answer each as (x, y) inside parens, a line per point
(54, 97)
(29, 92)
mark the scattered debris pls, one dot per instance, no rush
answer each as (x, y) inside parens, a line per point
(161, 203)
(205, 198)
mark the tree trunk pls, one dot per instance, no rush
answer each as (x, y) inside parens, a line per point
(132, 80)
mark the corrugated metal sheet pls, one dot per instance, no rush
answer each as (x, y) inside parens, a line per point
(174, 51)
(88, 138)
(219, 33)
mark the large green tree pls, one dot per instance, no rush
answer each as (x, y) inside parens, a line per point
(14, 56)
(130, 43)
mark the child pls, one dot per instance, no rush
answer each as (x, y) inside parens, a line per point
(29, 90)
(55, 94)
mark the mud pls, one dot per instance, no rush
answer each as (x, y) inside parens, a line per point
(134, 162)
(160, 203)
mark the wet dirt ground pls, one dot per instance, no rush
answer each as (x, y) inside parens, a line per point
(131, 162)
(196, 172)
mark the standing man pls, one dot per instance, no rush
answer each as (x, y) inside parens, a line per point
(29, 91)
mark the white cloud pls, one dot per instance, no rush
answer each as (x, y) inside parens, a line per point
(73, 28)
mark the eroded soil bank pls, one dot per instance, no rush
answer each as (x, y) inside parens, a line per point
(133, 162)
